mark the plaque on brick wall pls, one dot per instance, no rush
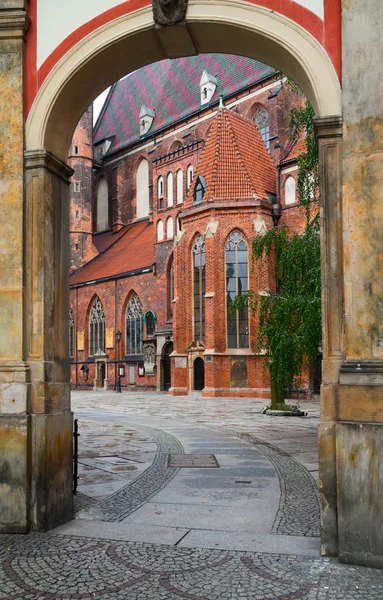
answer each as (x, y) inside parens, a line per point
(181, 362)
(80, 340)
(238, 371)
(109, 337)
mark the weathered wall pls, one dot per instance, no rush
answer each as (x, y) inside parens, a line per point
(14, 372)
(360, 394)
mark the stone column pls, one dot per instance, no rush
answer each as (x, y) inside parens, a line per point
(47, 332)
(360, 393)
(329, 136)
(14, 372)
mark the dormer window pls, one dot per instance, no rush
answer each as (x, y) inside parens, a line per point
(146, 119)
(199, 189)
(208, 85)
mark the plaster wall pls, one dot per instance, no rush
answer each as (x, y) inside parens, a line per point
(57, 20)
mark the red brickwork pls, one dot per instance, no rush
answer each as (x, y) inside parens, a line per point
(175, 148)
(80, 158)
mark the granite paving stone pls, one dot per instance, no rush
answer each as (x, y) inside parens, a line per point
(145, 530)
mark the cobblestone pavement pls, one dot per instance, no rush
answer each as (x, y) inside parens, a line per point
(245, 530)
(42, 567)
(129, 498)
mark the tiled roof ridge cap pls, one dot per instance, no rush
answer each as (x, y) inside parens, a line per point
(237, 150)
(217, 144)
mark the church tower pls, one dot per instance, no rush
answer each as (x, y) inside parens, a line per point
(80, 159)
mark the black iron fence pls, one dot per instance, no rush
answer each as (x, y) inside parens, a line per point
(76, 435)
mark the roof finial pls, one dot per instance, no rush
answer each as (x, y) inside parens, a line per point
(221, 104)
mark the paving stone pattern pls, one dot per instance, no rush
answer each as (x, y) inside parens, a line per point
(298, 513)
(122, 503)
(43, 567)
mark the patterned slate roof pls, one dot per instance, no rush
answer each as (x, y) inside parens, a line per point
(235, 162)
(171, 88)
(132, 250)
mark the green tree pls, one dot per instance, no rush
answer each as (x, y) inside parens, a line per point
(288, 309)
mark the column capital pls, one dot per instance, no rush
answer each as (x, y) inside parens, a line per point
(328, 127)
(37, 159)
(14, 22)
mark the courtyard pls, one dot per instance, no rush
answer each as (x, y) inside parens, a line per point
(184, 497)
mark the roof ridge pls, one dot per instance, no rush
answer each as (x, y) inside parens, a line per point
(217, 144)
(239, 153)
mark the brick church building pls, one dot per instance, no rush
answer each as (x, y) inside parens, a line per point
(189, 159)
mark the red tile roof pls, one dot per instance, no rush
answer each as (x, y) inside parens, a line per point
(102, 241)
(235, 162)
(134, 249)
(298, 148)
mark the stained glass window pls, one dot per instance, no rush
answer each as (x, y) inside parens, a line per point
(237, 282)
(261, 120)
(96, 328)
(199, 277)
(134, 319)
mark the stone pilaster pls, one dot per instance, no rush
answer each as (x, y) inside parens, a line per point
(47, 302)
(329, 136)
(14, 372)
(360, 393)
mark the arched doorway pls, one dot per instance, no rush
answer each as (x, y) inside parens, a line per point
(198, 374)
(111, 52)
(166, 375)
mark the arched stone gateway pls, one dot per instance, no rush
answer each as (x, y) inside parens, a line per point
(35, 417)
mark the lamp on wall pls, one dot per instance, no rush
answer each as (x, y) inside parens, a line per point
(118, 340)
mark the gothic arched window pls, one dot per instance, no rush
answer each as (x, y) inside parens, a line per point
(142, 189)
(96, 328)
(169, 228)
(290, 190)
(102, 205)
(180, 186)
(160, 231)
(237, 282)
(150, 321)
(189, 176)
(169, 185)
(134, 320)
(261, 120)
(160, 192)
(71, 334)
(199, 280)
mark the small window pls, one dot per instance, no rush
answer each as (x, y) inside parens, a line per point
(199, 190)
(169, 228)
(75, 150)
(160, 187)
(77, 186)
(150, 321)
(160, 231)
(189, 176)
(77, 214)
(290, 191)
